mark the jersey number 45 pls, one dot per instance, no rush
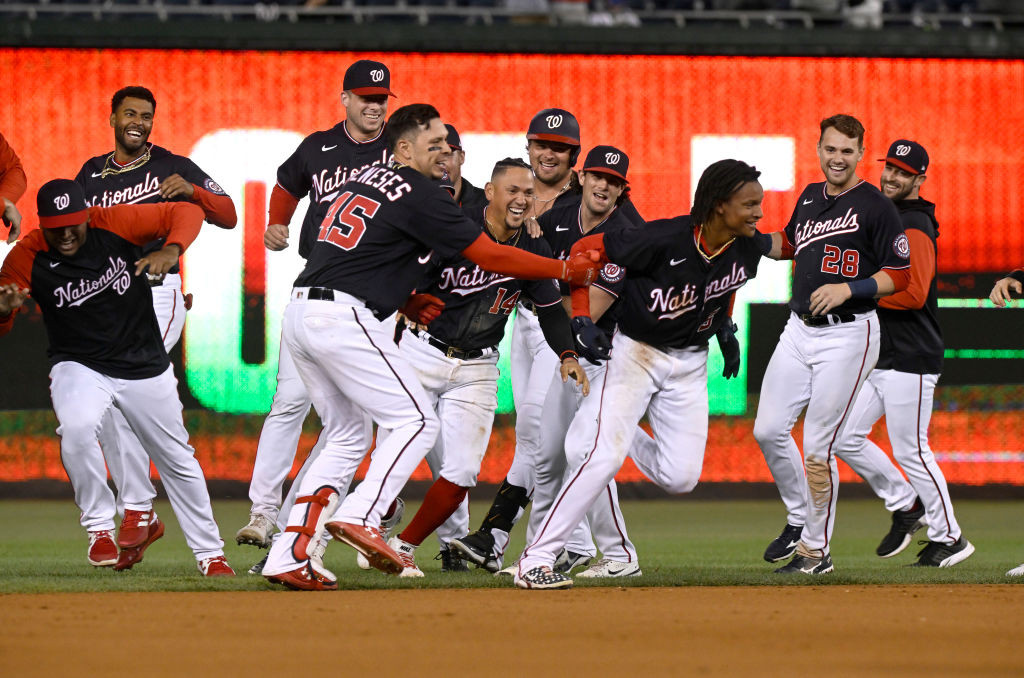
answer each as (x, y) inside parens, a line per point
(345, 222)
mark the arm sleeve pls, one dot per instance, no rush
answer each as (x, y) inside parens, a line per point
(922, 270)
(219, 209)
(17, 270)
(555, 326)
(282, 206)
(178, 222)
(581, 295)
(12, 176)
(496, 258)
(293, 177)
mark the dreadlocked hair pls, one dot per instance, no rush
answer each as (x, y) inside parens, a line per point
(717, 184)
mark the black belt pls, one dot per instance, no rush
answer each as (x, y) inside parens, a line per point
(327, 294)
(451, 351)
(827, 319)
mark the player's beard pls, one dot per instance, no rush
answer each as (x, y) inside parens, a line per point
(901, 195)
(131, 145)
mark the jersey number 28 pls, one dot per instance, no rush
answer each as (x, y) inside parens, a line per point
(836, 261)
(345, 222)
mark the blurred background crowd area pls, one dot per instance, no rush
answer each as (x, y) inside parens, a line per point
(861, 14)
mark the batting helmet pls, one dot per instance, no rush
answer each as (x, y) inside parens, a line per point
(556, 124)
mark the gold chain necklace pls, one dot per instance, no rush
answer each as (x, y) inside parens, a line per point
(511, 242)
(560, 192)
(700, 249)
(110, 168)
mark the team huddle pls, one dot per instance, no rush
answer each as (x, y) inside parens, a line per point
(391, 334)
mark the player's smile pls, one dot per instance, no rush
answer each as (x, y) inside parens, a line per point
(838, 155)
(66, 240)
(549, 159)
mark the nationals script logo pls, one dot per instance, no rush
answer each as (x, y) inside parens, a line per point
(116, 276)
(147, 188)
(811, 230)
(464, 281)
(670, 304)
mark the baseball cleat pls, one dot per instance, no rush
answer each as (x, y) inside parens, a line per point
(478, 548)
(217, 566)
(132, 556)
(368, 541)
(904, 525)
(785, 544)
(567, 561)
(388, 525)
(807, 565)
(135, 527)
(509, 571)
(606, 568)
(937, 554)
(303, 578)
(450, 560)
(258, 567)
(102, 549)
(407, 552)
(543, 577)
(1017, 571)
(257, 531)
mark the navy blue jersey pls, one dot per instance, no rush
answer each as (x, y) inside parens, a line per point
(912, 339)
(478, 303)
(319, 167)
(674, 297)
(471, 199)
(562, 227)
(379, 234)
(842, 238)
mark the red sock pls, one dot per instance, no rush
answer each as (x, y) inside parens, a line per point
(442, 499)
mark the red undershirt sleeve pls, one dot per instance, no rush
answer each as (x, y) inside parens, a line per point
(581, 295)
(282, 206)
(219, 209)
(922, 270)
(496, 258)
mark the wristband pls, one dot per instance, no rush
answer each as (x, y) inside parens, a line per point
(863, 289)
(568, 354)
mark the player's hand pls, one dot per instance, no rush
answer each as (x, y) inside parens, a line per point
(11, 298)
(422, 309)
(158, 263)
(591, 341)
(572, 368)
(827, 297)
(275, 238)
(1000, 292)
(12, 218)
(730, 346)
(176, 185)
(582, 269)
(533, 227)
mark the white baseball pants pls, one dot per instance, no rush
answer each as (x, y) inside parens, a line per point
(81, 398)
(822, 369)
(671, 386)
(905, 400)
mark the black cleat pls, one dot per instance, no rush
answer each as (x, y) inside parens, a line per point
(567, 561)
(937, 554)
(451, 561)
(478, 548)
(785, 544)
(807, 565)
(904, 525)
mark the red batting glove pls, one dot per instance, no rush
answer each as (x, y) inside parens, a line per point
(582, 269)
(422, 309)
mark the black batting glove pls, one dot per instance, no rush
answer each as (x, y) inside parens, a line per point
(730, 347)
(592, 342)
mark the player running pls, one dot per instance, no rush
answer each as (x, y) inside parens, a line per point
(138, 172)
(680, 274)
(849, 249)
(378, 238)
(106, 350)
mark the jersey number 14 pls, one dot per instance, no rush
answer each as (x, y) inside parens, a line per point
(345, 222)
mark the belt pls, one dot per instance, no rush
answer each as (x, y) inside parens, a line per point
(827, 319)
(320, 294)
(327, 294)
(451, 351)
(528, 305)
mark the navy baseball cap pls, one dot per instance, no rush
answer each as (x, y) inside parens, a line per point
(366, 78)
(607, 160)
(453, 138)
(61, 203)
(909, 156)
(555, 124)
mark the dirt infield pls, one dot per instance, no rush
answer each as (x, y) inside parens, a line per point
(749, 631)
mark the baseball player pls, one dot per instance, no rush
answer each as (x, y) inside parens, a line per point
(903, 382)
(136, 172)
(553, 145)
(12, 186)
(375, 243)
(321, 164)
(1001, 293)
(680, 275)
(457, 361)
(470, 198)
(106, 350)
(849, 249)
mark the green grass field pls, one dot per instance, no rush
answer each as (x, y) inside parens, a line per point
(681, 543)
